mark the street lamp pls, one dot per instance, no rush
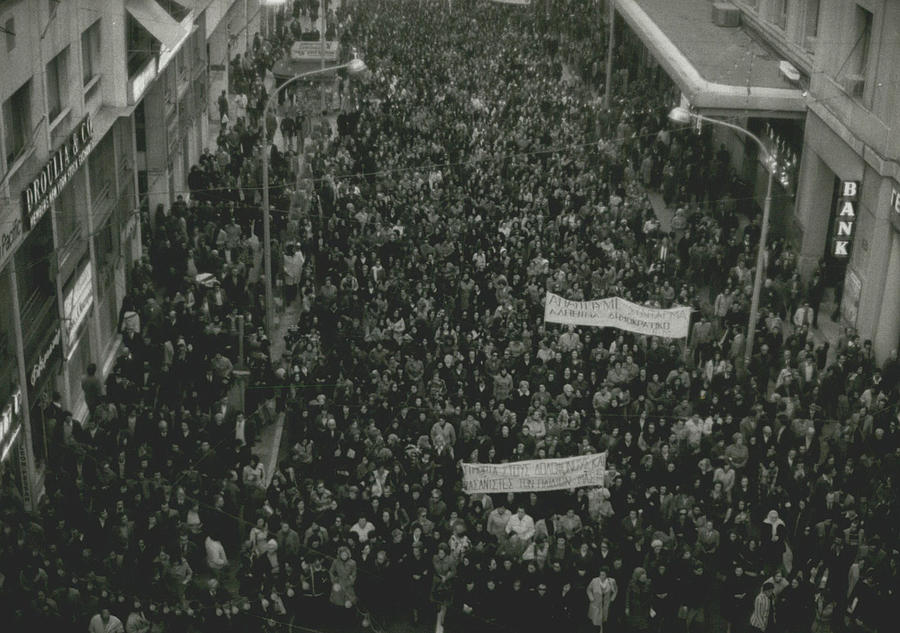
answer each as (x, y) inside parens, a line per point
(684, 116)
(355, 66)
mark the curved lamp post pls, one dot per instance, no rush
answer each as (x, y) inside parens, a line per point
(354, 66)
(684, 116)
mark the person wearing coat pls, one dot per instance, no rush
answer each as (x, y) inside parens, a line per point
(637, 601)
(444, 566)
(601, 592)
(824, 615)
(737, 598)
(419, 572)
(343, 579)
(773, 533)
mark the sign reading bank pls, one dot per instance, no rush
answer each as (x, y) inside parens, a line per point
(845, 221)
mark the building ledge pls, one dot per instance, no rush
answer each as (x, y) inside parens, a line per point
(716, 68)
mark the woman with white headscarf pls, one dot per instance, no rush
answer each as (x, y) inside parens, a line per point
(773, 534)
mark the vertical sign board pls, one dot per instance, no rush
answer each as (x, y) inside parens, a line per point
(895, 208)
(77, 302)
(10, 424)
(845, 222)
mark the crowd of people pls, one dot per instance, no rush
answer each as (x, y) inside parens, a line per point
(470, 175)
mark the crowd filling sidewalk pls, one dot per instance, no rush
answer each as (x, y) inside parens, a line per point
(466, 176)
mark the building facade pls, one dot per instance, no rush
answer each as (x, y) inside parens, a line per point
(104, 109)
(833, 123)
(850, 146)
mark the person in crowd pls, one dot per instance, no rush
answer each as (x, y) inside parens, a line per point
(602, 592)
(431, 224)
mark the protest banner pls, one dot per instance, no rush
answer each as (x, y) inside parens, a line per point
(535, 475)
(618, 313)
(316, 50)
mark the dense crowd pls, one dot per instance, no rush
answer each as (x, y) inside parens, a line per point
(470, 175)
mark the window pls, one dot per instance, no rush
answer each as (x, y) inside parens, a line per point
(90, 52)
(140, 128)
(779, 13)
(10, 29)
(864, 40)
(141, 46)
(174, 9)
(67, 210)
(33, 270)
(857, 63)
(811, 25)
(57, 84)
(102, 166)
(17, 122)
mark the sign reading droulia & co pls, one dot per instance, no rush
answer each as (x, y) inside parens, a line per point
(845, 222)
(56, 173)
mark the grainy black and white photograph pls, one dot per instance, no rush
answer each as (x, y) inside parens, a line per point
(449, 316)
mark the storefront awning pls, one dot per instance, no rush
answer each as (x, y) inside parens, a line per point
(717, 68)
(156, 21)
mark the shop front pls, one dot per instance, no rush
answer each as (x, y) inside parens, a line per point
(849, 208)
(13, 476)
(44, 373)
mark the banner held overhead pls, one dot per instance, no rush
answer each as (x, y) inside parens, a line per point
(618, 313)
(535, 475)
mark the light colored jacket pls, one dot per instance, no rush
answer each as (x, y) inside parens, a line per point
(760, 614)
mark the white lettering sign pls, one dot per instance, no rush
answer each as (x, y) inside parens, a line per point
(42, 361)
(536, 475)
(10, 423)
(314, 50)
(846, 219)
(44, 189)
(618, 313)
(849, 189)
(9, 238)
(77, 303)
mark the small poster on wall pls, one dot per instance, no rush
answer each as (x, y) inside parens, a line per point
(850, 299)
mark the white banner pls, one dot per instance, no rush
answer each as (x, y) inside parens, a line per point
(618, 313)
(303, 51)
(535, 475)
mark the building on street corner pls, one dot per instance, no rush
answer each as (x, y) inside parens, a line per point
(811, 78)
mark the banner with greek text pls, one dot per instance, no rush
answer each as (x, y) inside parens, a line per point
(535, 475)
(618, 313)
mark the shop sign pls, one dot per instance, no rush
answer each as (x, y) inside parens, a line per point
(9, 237)
(78, 301)
(10, 423)
(850, 297)
(23, 469)
(130, 227)
(56, 173)
(140, 82)
(305, 51)
(895, 208)
(845, 222)
(43, 360)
